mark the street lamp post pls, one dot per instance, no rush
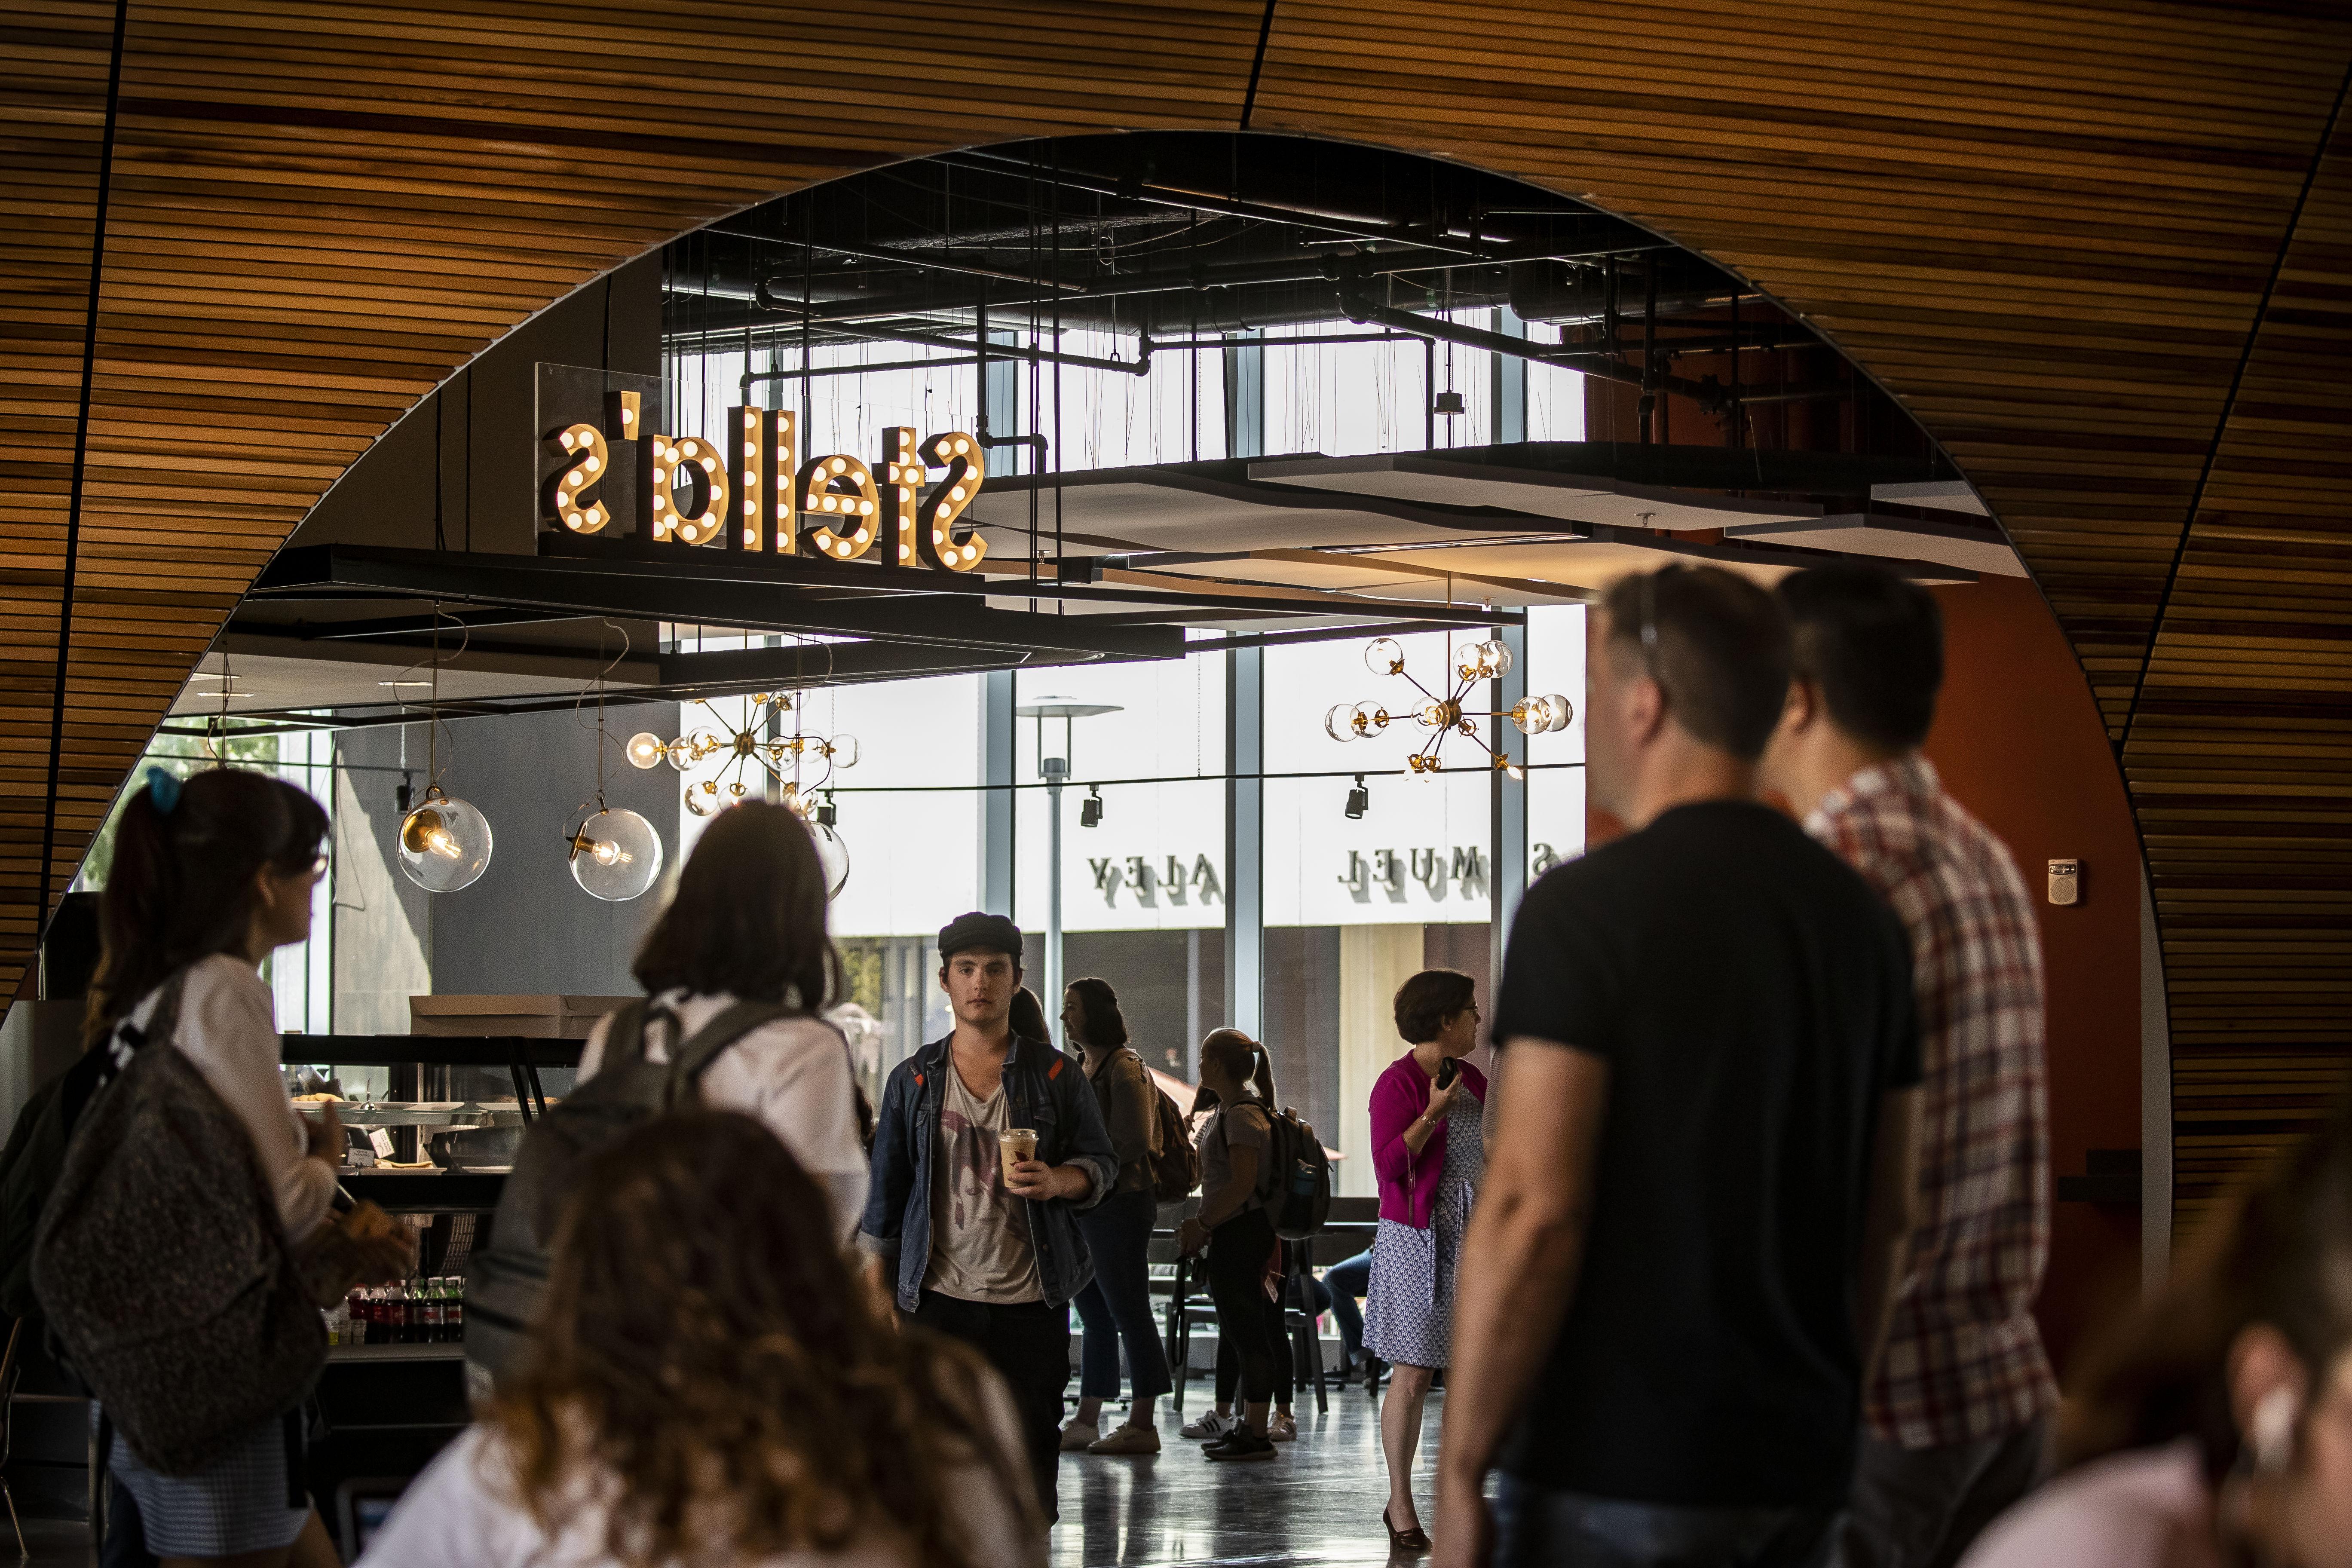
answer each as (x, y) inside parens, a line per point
(1055, 772)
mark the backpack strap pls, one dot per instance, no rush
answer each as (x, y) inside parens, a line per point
(624, 1036)
(691, 1057)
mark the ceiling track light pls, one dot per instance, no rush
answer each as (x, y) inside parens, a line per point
(1090, 810)
(1359, 800)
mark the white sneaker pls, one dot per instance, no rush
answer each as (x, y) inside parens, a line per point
(1281, 1428)
(1077, 1437)
(1212, 1425)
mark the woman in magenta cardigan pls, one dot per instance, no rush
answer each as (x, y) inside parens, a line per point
(1428, 1153)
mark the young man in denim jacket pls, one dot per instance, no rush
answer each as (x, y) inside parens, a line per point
(966, 1250)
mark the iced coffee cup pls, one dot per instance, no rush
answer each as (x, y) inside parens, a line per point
(1013, 1145)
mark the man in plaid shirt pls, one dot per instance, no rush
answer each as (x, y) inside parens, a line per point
(1957, 1408)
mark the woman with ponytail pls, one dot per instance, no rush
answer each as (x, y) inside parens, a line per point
(209, 875)
(1237, 1149)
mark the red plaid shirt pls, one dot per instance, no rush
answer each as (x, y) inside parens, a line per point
(1963, 1359)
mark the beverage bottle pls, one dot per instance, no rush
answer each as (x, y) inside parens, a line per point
(435, 1290)
(371, 1331)
(457, 1309)
(404, 1314)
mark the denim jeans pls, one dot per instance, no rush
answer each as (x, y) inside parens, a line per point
(1348, 1280)
(1536, 1527)
(1116, 1302)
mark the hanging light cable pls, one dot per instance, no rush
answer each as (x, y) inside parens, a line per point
(615, 855)
(445, 844)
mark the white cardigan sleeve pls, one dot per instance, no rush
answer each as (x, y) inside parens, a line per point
(228, 1028)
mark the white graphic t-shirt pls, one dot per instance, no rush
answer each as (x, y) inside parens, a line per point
(980, 1232)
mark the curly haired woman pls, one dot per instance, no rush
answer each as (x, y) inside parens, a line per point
(711, 1386)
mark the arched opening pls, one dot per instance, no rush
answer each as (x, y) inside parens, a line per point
(1245, 404)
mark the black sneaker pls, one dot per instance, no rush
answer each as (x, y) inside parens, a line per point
(1242, 1446)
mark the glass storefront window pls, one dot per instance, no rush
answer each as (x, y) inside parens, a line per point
(1143, 892)
(1356, 905)
(1556, 778)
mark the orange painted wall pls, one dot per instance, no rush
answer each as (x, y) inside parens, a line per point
(2019, 743)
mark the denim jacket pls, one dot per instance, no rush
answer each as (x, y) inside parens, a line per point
(1044, 1089)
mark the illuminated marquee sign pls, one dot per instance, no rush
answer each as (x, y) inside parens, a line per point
(755, 495)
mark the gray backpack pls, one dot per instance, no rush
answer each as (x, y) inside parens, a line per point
(161, 1264)
(508, 1277)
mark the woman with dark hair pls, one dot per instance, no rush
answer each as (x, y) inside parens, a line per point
(1026, 1017)
(1237, 1159)
(1428, 1156)
(749, 925)
(2215, 1425)
(1116, 1302)
(209, 875)
(711, 1386)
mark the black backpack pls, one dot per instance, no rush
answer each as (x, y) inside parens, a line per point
(1299, 1197)
(36, 1152)
(508, 1277)
(162, 1268)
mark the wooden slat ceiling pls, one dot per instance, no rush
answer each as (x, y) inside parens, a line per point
(2050, 230)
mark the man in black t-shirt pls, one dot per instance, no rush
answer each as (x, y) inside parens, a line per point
(1701, 1168)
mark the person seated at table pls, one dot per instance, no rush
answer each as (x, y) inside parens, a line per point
(1344, 1283)
(710, 1385)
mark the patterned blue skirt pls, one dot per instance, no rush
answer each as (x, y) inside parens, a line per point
(1409, 1306)
(235, 1504)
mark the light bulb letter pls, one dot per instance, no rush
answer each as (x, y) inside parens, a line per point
(936, 540)
(573, 495)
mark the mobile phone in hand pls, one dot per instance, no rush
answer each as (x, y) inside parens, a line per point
(1446, 1073)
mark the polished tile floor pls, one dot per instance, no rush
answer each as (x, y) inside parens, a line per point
(1319, 1503)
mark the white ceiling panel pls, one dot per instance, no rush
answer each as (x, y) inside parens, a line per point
(1896, 538)
(1575, 498)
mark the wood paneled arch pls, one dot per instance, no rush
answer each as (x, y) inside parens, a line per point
(2099, 250)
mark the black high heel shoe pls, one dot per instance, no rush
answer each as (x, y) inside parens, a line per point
(1414, 1539)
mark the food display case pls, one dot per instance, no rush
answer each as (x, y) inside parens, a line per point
(433, 1121)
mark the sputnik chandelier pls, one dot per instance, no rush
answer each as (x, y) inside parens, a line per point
(802, 764)
(1441, 712)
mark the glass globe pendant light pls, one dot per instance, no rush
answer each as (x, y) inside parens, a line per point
(616, 855)
(444, 843)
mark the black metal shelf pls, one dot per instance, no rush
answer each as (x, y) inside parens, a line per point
(430, 1050)
(426, 1192)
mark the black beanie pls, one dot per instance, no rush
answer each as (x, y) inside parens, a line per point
(990, 933)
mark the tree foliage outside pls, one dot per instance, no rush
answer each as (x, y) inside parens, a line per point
(184, 754)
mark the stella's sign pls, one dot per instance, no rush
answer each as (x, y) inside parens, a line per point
(758, 496)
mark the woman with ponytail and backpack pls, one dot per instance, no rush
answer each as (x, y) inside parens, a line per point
(1237, 1156)
(209, 876)
(1116, 1302)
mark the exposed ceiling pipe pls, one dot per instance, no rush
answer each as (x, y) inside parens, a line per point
(1140, 365)
(1708, 393)
(903, 259)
